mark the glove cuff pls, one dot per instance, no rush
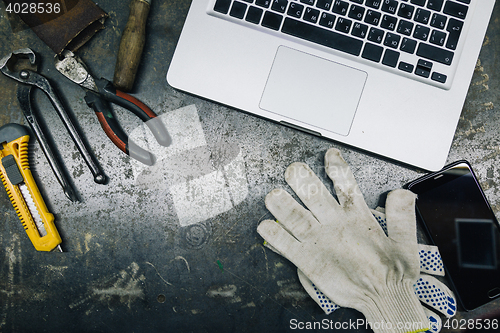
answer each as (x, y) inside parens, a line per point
(396, 310)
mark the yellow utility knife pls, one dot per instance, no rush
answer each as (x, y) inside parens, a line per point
(22, 190)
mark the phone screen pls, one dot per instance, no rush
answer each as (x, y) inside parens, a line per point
(460, 222)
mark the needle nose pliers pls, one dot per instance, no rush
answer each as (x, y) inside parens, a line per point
(101, 90)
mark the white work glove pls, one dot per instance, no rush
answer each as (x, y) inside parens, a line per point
(427, 288)
(343, 250)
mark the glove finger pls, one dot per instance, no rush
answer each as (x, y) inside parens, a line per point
(345, 184)
(435, 321)
(436, 295)
(380, 217)
(400, 216)
(312, 192)
(280, 239)
(291, 215)
(270, 247)
(430, 260)
(323, 301)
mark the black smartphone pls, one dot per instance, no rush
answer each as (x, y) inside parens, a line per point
(459, 220)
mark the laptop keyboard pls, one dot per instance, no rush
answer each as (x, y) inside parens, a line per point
(415, 38)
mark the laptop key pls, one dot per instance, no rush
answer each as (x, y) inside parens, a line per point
(391, 58)
(408, 45)
(356, 12)
(359, 30)
(324, 4)
(421, 32)
(295, 10)
(434, 53)
(422, 16)
(437, 37)
(272, 20)
(373, 3)
(435, 5)
(343, 25)
(418, 2)
(311, 15)
(438, 77)
(327, 20)
(405, 27)
(389, 6)
(372, 17)
(372, 52)
(222, 6)
(438, 21)
(424, 64)
(392, 40)
(279, 5)
(340, 7)
(263, 3)
(455, 29)
(455, 9)
(238, 10)
(331, 39)
(254, 15)
(406, 11)
(405, 67)
(422, 72)
(376, 35)
(388, 22)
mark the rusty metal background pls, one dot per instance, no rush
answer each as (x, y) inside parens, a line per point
(133, 260)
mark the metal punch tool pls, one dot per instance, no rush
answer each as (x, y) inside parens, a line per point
(30, 78)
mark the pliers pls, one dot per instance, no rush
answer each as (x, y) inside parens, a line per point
(29, 78)
(101, 90)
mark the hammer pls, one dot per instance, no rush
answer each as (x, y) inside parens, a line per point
(131, 45)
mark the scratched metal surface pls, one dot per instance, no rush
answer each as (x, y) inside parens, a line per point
(139, 253)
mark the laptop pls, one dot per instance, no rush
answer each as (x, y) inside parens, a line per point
(386, 76)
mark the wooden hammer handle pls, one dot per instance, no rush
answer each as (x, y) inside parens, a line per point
(131, 45)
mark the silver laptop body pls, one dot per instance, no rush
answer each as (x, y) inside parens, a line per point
(349, 71)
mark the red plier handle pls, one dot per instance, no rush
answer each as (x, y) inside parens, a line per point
(107, 92)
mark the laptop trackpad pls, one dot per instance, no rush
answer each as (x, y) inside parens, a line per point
(313, 90)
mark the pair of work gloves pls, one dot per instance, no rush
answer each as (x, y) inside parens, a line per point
(350, 256)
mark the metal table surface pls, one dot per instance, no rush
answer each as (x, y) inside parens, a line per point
(136, 256)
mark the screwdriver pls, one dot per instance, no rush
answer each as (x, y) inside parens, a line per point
(131, 45)
(22, 190)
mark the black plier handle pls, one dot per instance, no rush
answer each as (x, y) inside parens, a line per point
(107, 92)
